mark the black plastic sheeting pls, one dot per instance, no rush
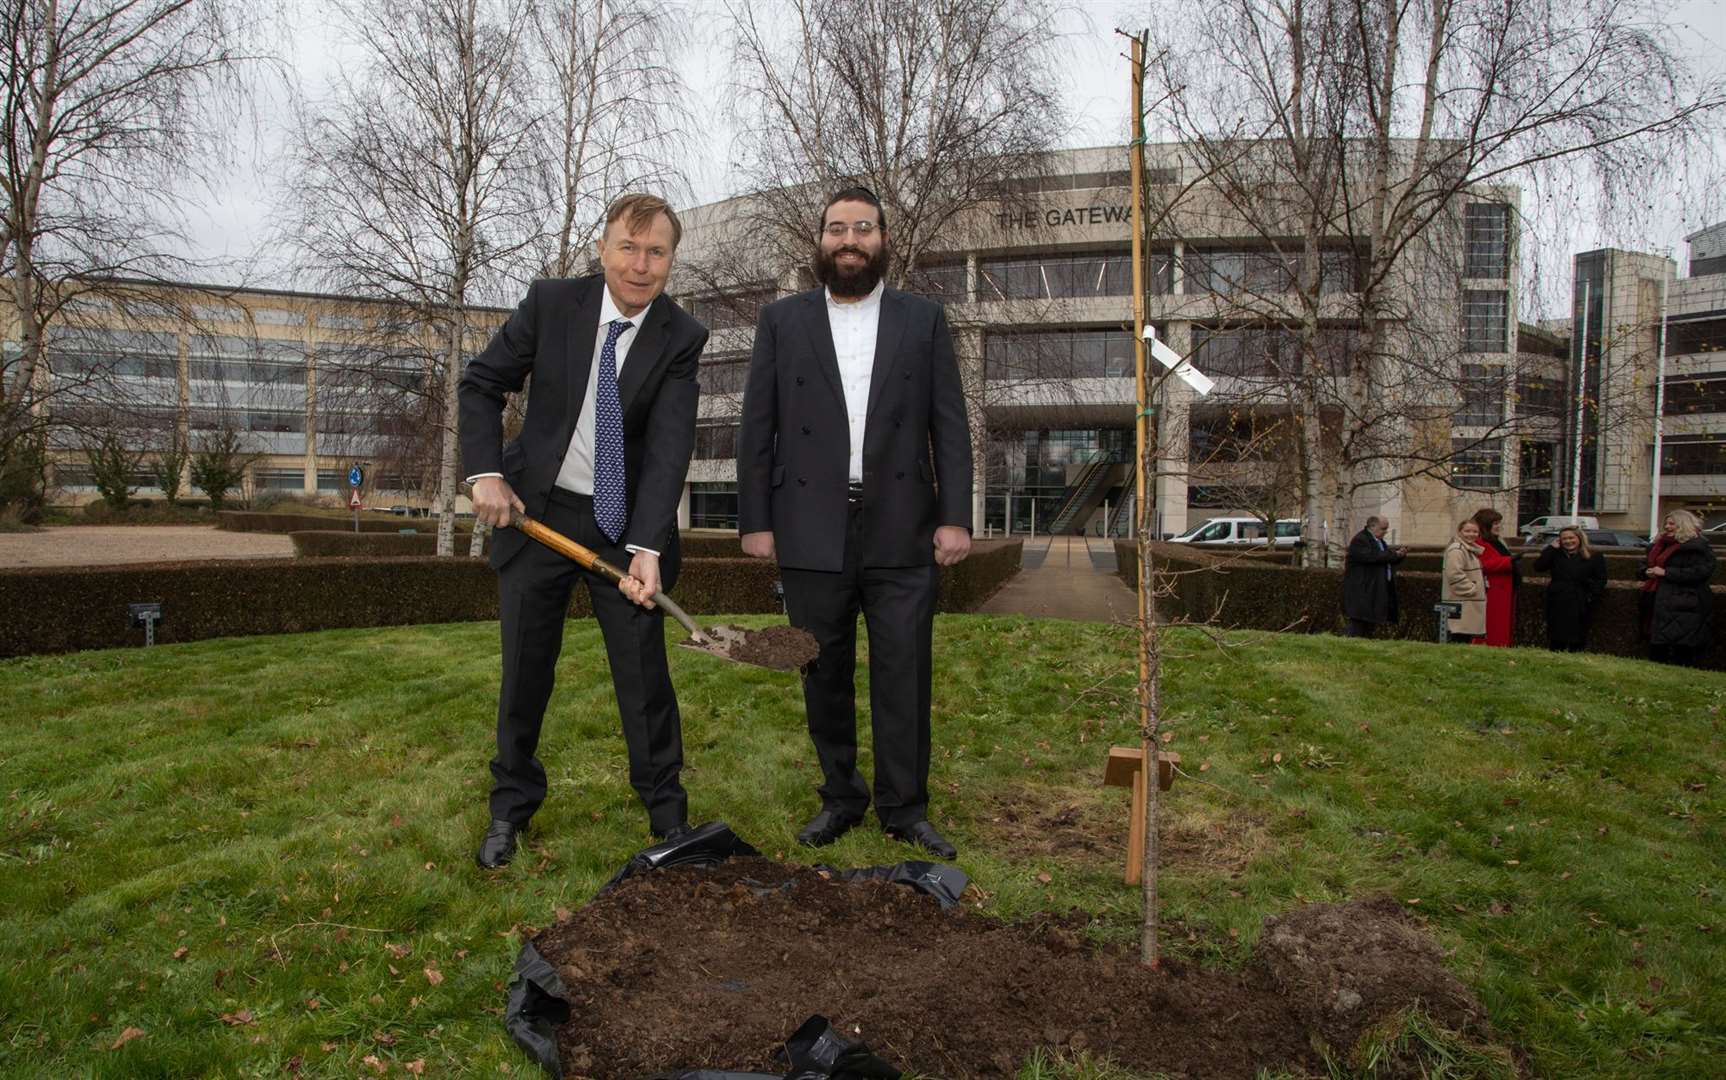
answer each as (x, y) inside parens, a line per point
(539, 1002)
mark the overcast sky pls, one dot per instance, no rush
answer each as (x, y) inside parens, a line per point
(233, 225)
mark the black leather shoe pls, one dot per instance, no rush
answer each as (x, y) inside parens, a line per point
(498, 847)
(676, 832)
(923, 835)
(825, 827)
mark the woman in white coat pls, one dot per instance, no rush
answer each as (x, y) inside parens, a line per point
(1464, 583)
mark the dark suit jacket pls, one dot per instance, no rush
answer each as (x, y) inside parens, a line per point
(1368, 593)
(551, 337)
(794, 443)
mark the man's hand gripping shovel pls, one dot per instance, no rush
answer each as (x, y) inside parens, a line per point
(732, 643)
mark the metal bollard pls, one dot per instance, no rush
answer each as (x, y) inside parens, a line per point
(1446, 610)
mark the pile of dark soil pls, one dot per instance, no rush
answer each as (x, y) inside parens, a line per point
(688, 968)
(782, 648)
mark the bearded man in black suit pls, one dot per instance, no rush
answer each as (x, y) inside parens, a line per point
(854, 472)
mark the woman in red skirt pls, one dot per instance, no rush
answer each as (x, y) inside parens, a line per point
(1502, 578)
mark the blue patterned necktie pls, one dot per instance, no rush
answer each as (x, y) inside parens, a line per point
(609, 507)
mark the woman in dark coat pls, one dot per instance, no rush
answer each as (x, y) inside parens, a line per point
(1682, 624)
(1573, 594)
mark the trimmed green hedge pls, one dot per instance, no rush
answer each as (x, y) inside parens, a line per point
(64, 609)
(1239, 593)
(989, 566)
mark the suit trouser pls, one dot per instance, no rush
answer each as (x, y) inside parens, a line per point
(898, 606)
(534, 590)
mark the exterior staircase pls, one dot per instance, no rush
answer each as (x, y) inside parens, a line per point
(1083, 493)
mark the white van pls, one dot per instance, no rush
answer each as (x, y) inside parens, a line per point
(1551, 523)
(1240, 531)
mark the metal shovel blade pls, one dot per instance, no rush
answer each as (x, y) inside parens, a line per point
(776, 648)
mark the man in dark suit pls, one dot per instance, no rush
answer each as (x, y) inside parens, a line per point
(854, 470)
(601, 458)
(1369, 579)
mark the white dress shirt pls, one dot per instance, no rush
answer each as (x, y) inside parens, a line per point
(855, 327)
(577, 472)
(576, 475)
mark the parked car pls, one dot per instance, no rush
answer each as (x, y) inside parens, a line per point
(1615, 538)
(1239, 532)
(1549, 524)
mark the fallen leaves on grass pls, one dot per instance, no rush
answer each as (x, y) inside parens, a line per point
(434, 976)
(127, 1036)
(237, 1019)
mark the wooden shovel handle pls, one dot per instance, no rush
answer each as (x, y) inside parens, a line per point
(566, 547)
(569, 549)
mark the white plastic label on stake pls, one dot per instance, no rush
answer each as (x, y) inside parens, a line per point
(1200, 383)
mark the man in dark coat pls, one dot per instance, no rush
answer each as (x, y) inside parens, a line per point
(854, 473)
(601, 458)
(1369, 582)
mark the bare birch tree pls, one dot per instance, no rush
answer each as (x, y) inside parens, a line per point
(1361, 126)
(112, 114)
(614, 115)
(416, 185)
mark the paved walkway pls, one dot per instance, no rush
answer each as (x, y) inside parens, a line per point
(105, 545)
(1066, 577)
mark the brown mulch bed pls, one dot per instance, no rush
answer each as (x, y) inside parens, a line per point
(689, 968)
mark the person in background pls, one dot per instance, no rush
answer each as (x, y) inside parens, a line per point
(1369, 582)
(1657, 554)
(1464, 582)
(1502, 578)
(1683, 616)
(1577, 582)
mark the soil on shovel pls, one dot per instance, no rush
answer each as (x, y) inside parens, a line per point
(781, 648)
(714, 967)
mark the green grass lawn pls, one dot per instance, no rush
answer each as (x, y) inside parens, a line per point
(253, 857)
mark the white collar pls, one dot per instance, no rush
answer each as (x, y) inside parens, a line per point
(610, 313)
(872, 300)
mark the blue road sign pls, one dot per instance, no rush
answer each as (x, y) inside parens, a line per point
(356, 476)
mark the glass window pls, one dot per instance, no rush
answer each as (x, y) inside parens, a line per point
(1477, 463)
(1485, 320)
(944, 282)
(724, 374)
(1695, 394)
(1537, 462)
(1055, 277)
(1058, 355)
(713, 506)
(719, 311)
(716, 442)
(1482, 388)
(1486, 241)
(1693, 455)
(1698, 336)
(1539, 395)
(1216, 530)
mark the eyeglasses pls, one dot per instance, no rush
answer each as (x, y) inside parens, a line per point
(840, 228)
